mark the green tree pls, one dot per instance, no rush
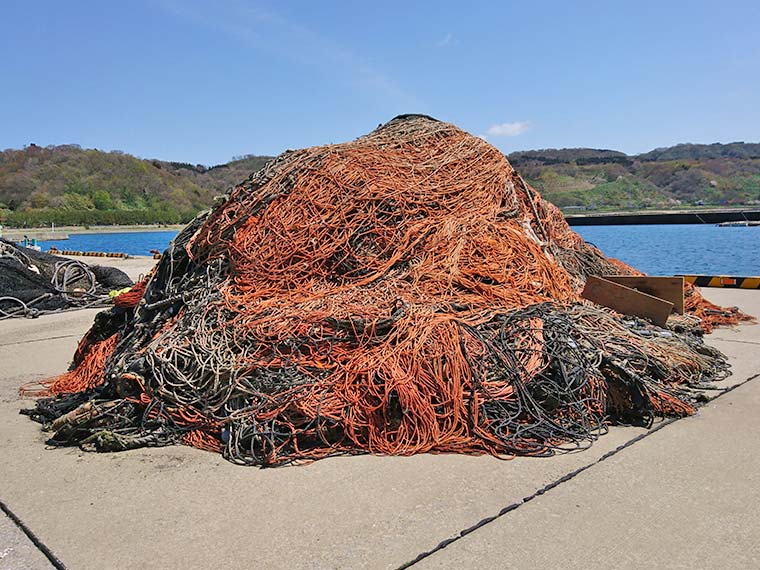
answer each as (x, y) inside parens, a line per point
(102, 200)
(39, 199)
(72, 201)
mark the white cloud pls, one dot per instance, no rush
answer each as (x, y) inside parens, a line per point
(509, 129)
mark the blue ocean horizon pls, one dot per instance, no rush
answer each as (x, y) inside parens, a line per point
(680, 248)
(653, 249)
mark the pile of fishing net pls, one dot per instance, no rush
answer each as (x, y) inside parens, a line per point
(406, 292)
(34, 283)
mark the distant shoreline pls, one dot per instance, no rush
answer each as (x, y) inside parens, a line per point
(63, 232)
(708, 215)
(120, 229)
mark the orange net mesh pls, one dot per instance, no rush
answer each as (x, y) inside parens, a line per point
(129, 299)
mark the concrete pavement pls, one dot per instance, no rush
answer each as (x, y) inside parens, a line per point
(17, 551)
(679, 497)
(685, 497)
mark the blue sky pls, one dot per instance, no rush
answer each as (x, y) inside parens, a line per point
(201, 81)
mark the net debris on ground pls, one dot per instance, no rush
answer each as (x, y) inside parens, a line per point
(33, 283)
(402, 293)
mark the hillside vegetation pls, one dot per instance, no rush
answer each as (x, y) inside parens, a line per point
(685, 174)
(73, 186)
(68, 185)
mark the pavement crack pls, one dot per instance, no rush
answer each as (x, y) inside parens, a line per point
(39, 340)
(52, 558)
(564, 479)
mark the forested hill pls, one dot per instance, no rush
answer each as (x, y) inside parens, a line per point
(685, 174)
(70, 185)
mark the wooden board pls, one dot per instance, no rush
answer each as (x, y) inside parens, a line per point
(668, 288)
(626, 300)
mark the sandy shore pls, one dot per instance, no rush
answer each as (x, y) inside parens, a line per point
(684, 496)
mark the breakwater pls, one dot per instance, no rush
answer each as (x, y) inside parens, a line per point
(16, 234)
(661, 217)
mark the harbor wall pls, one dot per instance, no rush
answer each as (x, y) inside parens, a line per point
(685, 217)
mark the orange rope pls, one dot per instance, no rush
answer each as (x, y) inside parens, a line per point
(86, 375)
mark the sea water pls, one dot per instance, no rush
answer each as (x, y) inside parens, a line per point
(680, 249)
(653, 249)
(133, 243)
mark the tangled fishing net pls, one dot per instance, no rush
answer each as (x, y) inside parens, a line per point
(406, 292)
(33, 283)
